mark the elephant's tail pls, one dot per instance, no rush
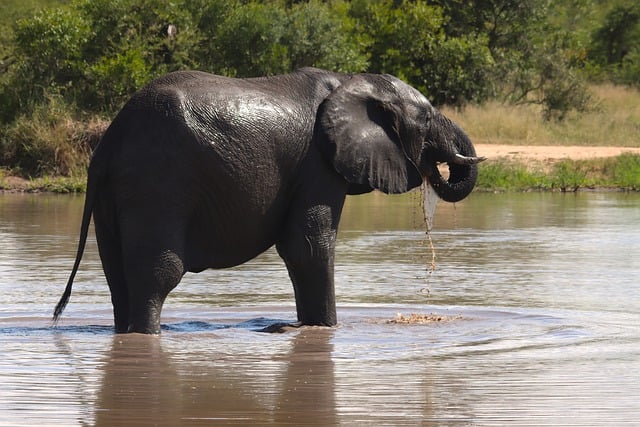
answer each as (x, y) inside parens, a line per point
(92, 182)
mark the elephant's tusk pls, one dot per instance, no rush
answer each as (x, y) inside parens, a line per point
(459, 159)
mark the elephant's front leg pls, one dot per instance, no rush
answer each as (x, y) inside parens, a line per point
(308, 251)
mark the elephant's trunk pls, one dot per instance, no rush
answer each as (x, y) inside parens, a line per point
(449, 144)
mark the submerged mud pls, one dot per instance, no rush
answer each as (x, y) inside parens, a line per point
(419, 318)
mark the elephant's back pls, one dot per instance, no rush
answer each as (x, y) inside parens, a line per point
(208, 161)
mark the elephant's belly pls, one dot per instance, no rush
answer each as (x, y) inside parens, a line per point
(226, 258)
(211, 247)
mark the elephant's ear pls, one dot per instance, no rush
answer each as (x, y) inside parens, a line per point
(360, 126)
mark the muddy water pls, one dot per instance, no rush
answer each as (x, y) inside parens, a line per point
(539, 294)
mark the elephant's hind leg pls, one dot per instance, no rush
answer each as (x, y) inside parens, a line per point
(111, 257)
(151, 274)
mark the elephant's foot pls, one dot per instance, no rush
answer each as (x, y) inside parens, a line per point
(146, 318)
(281, 327)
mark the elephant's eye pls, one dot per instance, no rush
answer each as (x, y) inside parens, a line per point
(427, 114)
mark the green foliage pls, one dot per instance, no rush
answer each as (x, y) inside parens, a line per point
(509, 176)
(59, 184)
(558, 87)
(94, 53)
(116, 78)
(49, 48)
(621, 172)
(322, 34)
(249, 41)
(91, 55)
(408, 40)
(569, 176)
(131, 44)
(614, 51)
(13, 10)
(618, 35)
(624, 171)
(255, 39)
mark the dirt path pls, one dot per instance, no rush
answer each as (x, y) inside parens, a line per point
(548, 152)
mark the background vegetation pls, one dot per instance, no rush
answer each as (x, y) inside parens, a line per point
(621, 172)
(66, 67)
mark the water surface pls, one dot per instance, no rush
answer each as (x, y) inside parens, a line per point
(539, 293)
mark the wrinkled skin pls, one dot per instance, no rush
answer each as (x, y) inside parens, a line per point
(200, 171)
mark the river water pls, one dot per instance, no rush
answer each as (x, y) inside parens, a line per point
(538, 297)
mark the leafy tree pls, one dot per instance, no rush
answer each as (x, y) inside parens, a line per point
(322, 35)
(249, 41)
(619, 33)
(615, 46)
(629, 73)
(407, 39)
(95, 53)
(133, 42)
(49, 51)
(256, 38)
(535, 60)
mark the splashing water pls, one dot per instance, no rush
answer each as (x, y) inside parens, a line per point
(429, 203)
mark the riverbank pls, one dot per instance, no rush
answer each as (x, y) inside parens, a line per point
(558, 168)
(552, 153)
(508, 168)
(60, 184)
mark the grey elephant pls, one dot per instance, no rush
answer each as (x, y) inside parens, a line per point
(200, 171)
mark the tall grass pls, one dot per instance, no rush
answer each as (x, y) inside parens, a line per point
(50, 141)
(612, 120)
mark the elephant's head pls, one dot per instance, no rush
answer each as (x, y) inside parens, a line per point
(381, 133)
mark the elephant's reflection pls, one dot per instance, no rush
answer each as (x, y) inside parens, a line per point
(140, 384)
(148, 384)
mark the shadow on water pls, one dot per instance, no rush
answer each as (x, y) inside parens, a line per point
(260, 324)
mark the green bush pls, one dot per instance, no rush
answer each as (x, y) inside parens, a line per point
(409, 41)
(322, 35)
(50, 59)
(502, 175)
(569, 176)
(95, 53)
(624, 171)
(249, 41)
(256, 39)
(621, 172)
(115, 78)
(90, 55)
(615, 45)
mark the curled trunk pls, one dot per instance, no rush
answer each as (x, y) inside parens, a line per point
(449, 144)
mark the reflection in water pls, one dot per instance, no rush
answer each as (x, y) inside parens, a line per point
(546, 286)
(139, 384)
(145, 383)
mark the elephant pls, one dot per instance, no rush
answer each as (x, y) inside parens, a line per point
(200, 171)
